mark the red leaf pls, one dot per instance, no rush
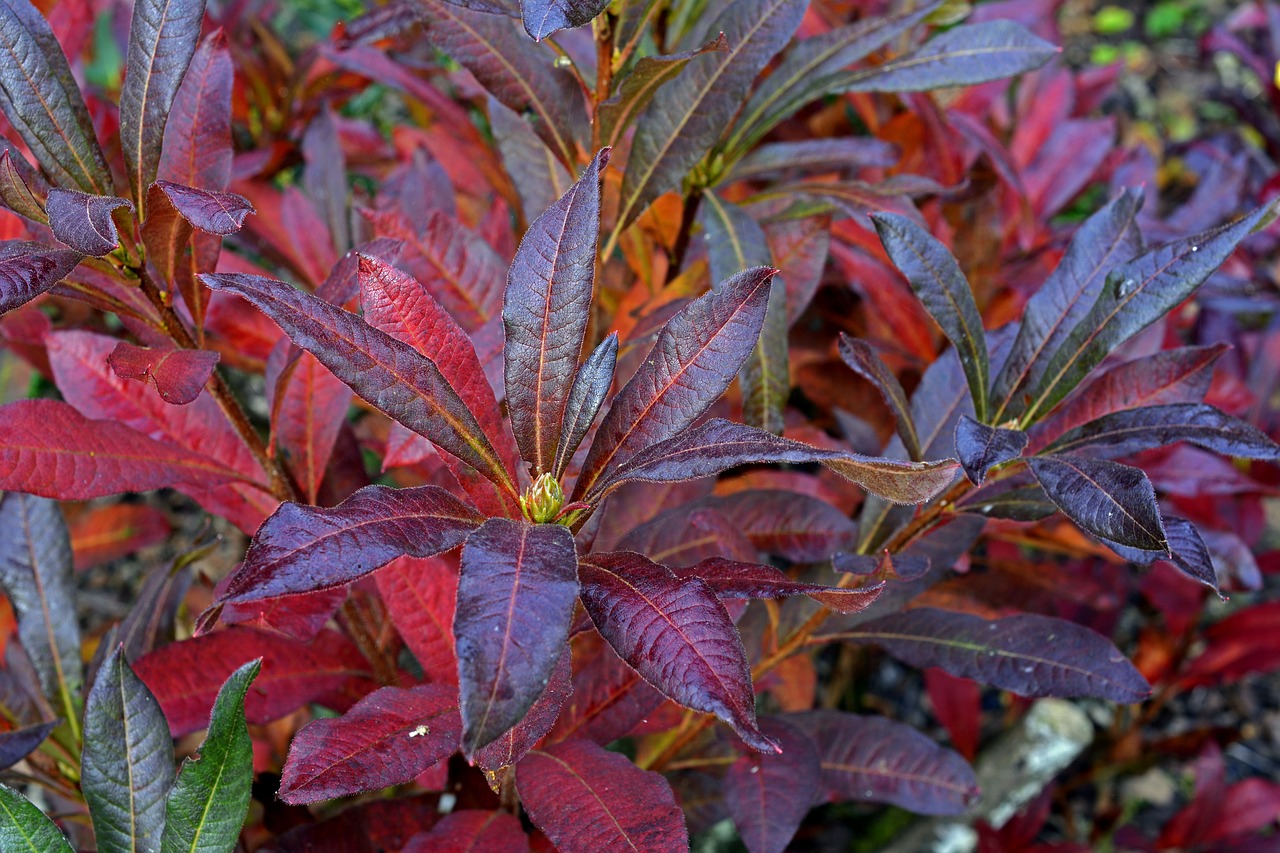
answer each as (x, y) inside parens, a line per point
(106, 533)
(387, 738)
(676, 634)
(609, 699)
(186, 676)
(472, 831)
(178, 374)
(420, 595)
(545, 312)
(509, 748)
(1245, 642)
(696, 356)
(517, 586)
(769, 795)
(957, 703)
(587, 799)
(734, 579)
(308, 408)
(877, 760)
(29, 269)
(197, 137)
(303, 549)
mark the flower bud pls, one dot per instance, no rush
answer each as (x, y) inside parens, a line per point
(543, 501)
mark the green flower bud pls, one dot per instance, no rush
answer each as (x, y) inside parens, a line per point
(543, 501)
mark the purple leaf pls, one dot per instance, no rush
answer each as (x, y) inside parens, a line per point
(84, 221)
(696, 356)
(387, 738)
(545, 312)
(538, 176)
(1028, 654)
(29, 269)
(590, 386)
(544, 17)
(387, 373)
(178, 374)
(1113, 501)
(587, 799)
(304, 549)
(516, 590)
(872, 759)
(938, 281)
(769, 795)
(846, 154)
(904, 567)
(516, 742)
(899, 482)
(324, 177)
(1189, 553)
(676, 634)
(981, 447)
(17, 744)
(162, 40)
(862, 359)
(735, 579)
(1127, 432)
(638, 88)
(212, 212)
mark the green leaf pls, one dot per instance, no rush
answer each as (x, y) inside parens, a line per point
(127, 765)
(24, 827)
(936, 278)
(206, 807)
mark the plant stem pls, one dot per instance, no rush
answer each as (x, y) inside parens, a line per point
(605, 31)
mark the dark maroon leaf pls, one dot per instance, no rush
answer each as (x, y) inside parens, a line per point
(587, 799)
(325, 177)
(768, 795)
(590, 387)
(387, 373)
(736, 579)
(1020, 502)
(210, 211)
(1189, 553)
(304, 548)
(16, 180)
(178, 374)
(981, 447)
(545, 312)
(516, 589)
(43, 102)
(696, 356)
(609, 699)
(904, 567)
(899, 482)
(544, 17)
(862, 359)
(642, 83)
(938, 281)
(84, 221)
(676, 634)
(1128, 432)
(17, 744)
(510, 747)
(29, 269)
(387, 738)
(877, 760)
(472, 831)
(1109, 500)
(1027, 653)
(162, 40)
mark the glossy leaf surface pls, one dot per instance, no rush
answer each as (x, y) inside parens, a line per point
(981, 447)
(1107, 499)
(642, 84)
(1127, 432)
(544, 17)
(213, 212)
(512, 746)
(18, 743)
(586, 396)
(29, 269)
(26, 829)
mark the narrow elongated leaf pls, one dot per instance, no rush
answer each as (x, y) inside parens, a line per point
(1107, 499)
(877, 760)
(678, 129)
(586, 396)
(43, 102)
(815, 155)
(1027, 653)
(26, 829)
(517, 73)
(1128, 432)
(304, 549)
(545, 312)
(981, 447)
(862, 359)
(127, 765)
(162, 40)
(544, 17)
(895, 481)
(84, 221)
(325, 177)
(308, 410)
(36, 573)
(768, 795)
(964, 56)
(389, 374)
(207, 805)
(17, 744)
(708, 449)
(587, 799)
(211, 211)
(468, 830)
(1105, 240)
(29, 269)
(696, 356)
(734, 579)
(179, 375)
(387, 738)
(1188, 552)
(197, 134)
(516, 590)
(676, 634)
(736, 242)
(640, 86)
(512, 746)
(16, 180)
(1137, 294)
(47, 448)
(539, 177)
(420, 595)
(937, 279)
